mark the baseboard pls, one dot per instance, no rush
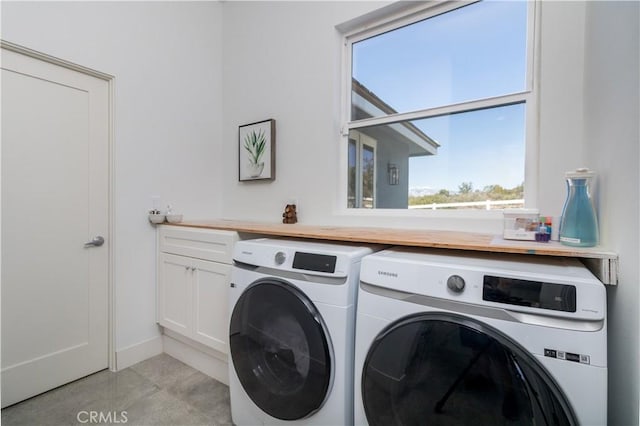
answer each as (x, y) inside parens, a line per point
(139, 352)
(209, 361)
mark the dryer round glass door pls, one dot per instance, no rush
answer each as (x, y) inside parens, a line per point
(280, 350)
(446, 369)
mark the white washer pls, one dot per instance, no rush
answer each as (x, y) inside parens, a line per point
(455, 338)
(291, 331)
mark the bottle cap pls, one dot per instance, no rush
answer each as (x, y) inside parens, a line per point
(581, 173)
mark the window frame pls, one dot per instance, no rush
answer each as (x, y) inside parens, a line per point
(397, 16)
(359, 168)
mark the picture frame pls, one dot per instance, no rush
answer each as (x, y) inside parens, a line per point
(256, 151)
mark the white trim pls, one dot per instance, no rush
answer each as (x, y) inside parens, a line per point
(532, 48)
(383, 14)
(110, 80)
(421, 213)
(209, 361)
(113, 365)
(139, 352)
(466, 106)
(532, 119)
(54, 60)
(342, 193)
(396, 15)
(361, 140)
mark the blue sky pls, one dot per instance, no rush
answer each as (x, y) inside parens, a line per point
(477, 51)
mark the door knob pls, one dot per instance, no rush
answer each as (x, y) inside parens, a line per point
(96, 242)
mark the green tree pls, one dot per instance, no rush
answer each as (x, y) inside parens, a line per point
(465, 187)
(466, 193)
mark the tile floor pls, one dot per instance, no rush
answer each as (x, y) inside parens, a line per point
(158, 391)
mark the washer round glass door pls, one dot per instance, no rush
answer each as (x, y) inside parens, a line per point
(445, 369)
(280, 349)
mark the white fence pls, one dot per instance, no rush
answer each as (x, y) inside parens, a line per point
(487, 205)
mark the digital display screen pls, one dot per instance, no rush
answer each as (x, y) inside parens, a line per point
(534, 294)
(314, 262)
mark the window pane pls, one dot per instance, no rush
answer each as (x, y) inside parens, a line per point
(470, 53)
(481, 157)
(453, 161)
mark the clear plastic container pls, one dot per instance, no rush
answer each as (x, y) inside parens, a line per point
(520, 224)
(579, 224)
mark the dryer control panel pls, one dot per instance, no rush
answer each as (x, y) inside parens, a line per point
(334, 260)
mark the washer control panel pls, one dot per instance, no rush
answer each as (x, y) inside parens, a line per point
(314, 262)
(537, 285)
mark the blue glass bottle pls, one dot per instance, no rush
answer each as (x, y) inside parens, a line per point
(579, 224)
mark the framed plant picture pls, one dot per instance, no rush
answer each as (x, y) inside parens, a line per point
(256, 143)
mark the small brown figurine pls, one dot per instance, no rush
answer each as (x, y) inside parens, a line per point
(289, 215)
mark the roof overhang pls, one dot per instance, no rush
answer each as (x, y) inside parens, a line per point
(367, 104)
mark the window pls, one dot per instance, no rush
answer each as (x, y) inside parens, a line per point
(446, 95)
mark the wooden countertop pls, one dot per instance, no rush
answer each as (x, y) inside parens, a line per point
(604, 264)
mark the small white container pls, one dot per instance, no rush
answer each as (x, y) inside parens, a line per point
(520, 224)
(174, 218)
(156, 218)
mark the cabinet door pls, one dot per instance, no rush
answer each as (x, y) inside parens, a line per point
(175, 278)
(211, 304)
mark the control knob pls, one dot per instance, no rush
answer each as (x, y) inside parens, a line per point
(280, 257)
(455, 283)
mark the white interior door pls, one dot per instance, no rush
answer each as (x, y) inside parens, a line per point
(55, 198)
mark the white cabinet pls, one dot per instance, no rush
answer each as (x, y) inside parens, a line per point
(175, 292)
(194, 268)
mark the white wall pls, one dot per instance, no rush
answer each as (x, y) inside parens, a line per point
(166, 61)
(282, 60)
(612, 146)
(561, 100)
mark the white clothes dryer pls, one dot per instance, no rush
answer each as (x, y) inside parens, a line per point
(485, 339)
(291, 331)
